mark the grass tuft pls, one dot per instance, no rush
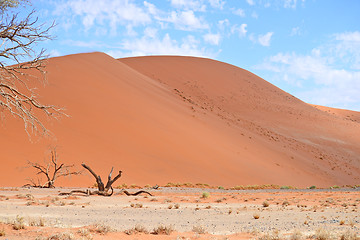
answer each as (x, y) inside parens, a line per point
(163, 230)
(136, 229)
(199, 229)
(205, 195)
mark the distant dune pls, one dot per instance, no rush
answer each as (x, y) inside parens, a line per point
(167, 119)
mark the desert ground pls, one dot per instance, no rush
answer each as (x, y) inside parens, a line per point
(161, 119)
(184, 213)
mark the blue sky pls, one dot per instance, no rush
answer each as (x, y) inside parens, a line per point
(309, 48)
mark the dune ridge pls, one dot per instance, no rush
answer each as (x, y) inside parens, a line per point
(183, 119)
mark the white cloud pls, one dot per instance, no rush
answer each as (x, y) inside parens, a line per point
(217, 3)
(186, 20)
(189, 46)
(151, 8)
(213, 39)
(241, 30)
(54, 53)
(194, 5)
(348, 36)
(240, 12)
(222, 24)
(265, 39)
(291, 3)
(105, 13)
(150, 32)
(84, 44)
(250, 2)
(323, 76)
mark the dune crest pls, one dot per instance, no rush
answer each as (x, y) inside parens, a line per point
(183, 119)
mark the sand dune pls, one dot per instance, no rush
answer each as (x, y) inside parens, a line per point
(183, 119)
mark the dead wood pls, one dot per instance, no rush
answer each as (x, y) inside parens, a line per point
(52, 170)
(103, 190)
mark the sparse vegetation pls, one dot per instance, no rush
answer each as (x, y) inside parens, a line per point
(312, 187)
(270, 236)
(296, 235)
(256, 215)
(205, 195)
(101, 228)
(163, 230)
(199, 229)
(62, 236)
(52, 170)
(2, 232)
(322, 234)
(40, 222)
(84, 232)
(265, 204)
(18, 223)
(136, 229)
(349, 235)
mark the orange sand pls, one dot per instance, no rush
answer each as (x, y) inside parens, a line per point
(183, 119)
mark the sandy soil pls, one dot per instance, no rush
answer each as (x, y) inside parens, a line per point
(222, 214)
(182, 119)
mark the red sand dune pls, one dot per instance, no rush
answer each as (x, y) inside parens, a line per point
(183, 119)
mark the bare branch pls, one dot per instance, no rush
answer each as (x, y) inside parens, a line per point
(18, 38)
(58, 171)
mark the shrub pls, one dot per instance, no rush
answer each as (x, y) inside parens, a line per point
(2, 233)
(101, 228)
(18, 223)
(256, 215)
(163, 230)
(322, 234)
(37, 223)
(136, 229)
(62, 236)
(312, 187)
(205, 195)
(84, 232)
(265, 204)
(349, 235)
(199, 229)
(296, 235)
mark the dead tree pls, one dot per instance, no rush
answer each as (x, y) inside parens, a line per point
(104, 190)
(52, 170)
(21, 64)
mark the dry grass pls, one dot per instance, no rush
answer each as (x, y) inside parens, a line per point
(205, 195)
(18, 223)
(2, 233)
(322, 234)
(163, 230)
(270, 236)
(101, 228)
(40, 222)
(349, 235)
(136, 229)
(62, 236)
(84, 232)
(136, 205)
(199, 229)
(296, 235)
(265, 204)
